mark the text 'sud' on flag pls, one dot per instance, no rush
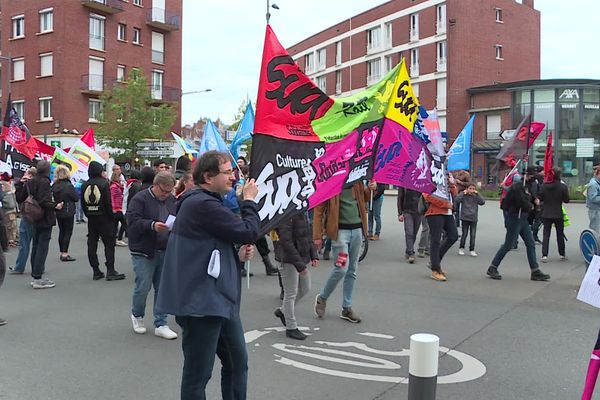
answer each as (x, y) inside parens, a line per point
(15, 133)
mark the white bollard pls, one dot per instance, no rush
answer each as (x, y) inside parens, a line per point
(423, 366)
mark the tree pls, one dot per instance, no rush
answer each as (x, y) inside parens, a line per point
(131, 115)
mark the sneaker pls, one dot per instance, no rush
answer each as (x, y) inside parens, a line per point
(121, 243)
(492, 272)
(427, 252)
(537, 241)
(43, 283)
(98, 275)
(279, 314)
(461, 252)
(349, 315)
(375, 237)
(421, 254)
(438, 276)
(14, 271)
(165, 332)
(411, 259)
(138, 325)
(538, 275)
(544, 259)
(2, 322)
(114, 276)
(473, 254)
(67, 258)
(295, 334)
(320, 305)
(564, 258)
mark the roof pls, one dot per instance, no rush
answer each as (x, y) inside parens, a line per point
(536, 84)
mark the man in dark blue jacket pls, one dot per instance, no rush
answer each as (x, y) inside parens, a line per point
(148, 234)
(201, 279)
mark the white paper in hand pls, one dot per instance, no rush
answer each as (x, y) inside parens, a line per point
(214, 265)
(589, 291)
(170, 221)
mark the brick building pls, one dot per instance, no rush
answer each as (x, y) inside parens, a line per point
(65, 53)
(449, 46)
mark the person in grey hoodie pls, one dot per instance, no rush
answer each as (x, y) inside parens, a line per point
(592, 201)
(468, 201)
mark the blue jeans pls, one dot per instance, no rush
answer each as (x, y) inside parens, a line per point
(349, 241)
(147, 273)
(375, 213)
(516, 226)
(25, 237)
(202, 338)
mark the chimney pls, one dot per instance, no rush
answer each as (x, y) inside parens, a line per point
(528, 3)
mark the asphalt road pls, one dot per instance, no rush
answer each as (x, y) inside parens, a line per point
(509, 339)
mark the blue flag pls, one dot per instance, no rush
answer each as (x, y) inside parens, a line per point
(459, 156)
(244, 131)
(212, 139)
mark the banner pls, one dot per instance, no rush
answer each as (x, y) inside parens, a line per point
(212, 139)
(459, 155)
(244, 132)
(434, 133)
(16, 133)
(516, 148)
(84, 154)
(549, 160)
(188, 149)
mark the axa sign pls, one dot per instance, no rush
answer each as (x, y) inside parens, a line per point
(569, 94)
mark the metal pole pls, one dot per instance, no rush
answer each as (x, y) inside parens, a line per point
(423, 366)
(268, 13)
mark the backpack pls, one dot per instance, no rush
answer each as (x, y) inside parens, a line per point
(30, 209)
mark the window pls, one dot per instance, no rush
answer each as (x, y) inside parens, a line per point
(414, 62)
(122, 32)
(45, 108)
(441, 56)
(46, 64)
(338, 53)
(414, 26)
(94, 110)
(96, 32)
(137, 3)
(120, 73)
(373, 70)
(96, 74)
(387, 41)
(338, 82)
(46, 20)
(499, 15)
(158, 48)
(493, 126)
(499, 52)
(18, 26)
(19, 106)
(388, 64)
(157, 84)
(309, 63)
(322, 82)
(441, 94)
(321, 59)
(18, 69)
(440, 26)
(137, 33)
(373, 39)
(415, 88)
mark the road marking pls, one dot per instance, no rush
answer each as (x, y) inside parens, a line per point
(376, 335)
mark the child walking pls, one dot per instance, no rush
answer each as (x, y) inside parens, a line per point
(468, 201)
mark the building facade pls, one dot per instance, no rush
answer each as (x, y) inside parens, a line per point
(64, 54)
(448, 45)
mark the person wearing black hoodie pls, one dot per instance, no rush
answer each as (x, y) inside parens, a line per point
(147, 177)
(553, 194)
(97, 206)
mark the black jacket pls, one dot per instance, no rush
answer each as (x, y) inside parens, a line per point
(142, 212)
(95, 193)
(408, 201)
(553, 194)
(40, 189)
(518, 201)
(64, 191)
(295, 244)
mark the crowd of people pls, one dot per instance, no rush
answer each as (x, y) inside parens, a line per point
(189, 233)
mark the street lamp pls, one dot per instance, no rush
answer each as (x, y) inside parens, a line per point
(196, 91)
(275, 6)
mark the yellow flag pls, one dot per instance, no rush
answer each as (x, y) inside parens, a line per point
(404, 105)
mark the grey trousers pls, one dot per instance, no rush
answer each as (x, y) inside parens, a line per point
(424, 241)
(295, 287)
(411, 228)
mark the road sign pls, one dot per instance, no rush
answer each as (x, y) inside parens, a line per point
(154, 144)
(588, 244)
(230, 135)
(155, 152)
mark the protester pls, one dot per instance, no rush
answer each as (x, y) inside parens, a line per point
(342, 218)
(147, 177)
(468, 201)
(462, 178)
(592, 201)
(160, 166)
(423, 249)
(116, 197)
(39, 188)
(203, 295)
(534, 181)
(116, 169)
(376, 191)
(185, 183)
(132, 187)
(506, 184)
(440, 219)
(148, 235)
(407, 204)
(79, 215)
(9, 207)
(553, 195)
(64, 193)
(25, 227)
(294, 250)
(518, 203)
(97, 206)
(183, 165)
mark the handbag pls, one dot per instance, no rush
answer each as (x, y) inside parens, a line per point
(31, 209)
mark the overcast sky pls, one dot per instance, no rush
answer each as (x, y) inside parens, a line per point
(222, 44)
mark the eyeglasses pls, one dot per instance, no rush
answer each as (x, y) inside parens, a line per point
(163, 191)
(228, 172)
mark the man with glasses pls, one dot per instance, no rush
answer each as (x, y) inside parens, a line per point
(148, 236)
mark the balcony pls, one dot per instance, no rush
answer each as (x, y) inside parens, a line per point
(160, 19)
(92, 84)
(158, 57)
(105, 6)
(164, 94)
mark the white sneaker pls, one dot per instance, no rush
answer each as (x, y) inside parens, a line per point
(544, 259)
(473, 254)
(43, 283)
(165, 332)
(461, 252)
(121, 243)
(138, 325)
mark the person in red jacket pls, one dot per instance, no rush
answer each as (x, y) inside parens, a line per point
(116, 197)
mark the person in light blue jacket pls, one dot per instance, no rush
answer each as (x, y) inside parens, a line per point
(593, 200)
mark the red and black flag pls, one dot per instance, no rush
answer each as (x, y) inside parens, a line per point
(15, 133)
(549, 160)
(517, 147)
